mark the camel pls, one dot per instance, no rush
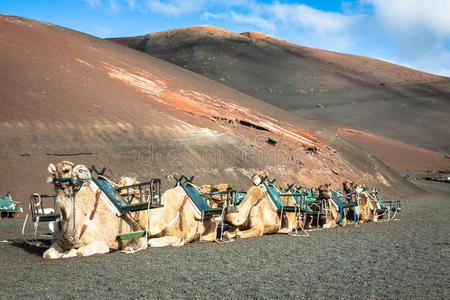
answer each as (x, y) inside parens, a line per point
(176, 223)
(331, 219)
(365, 211)
(256, 217)
(370, 205)
(87, 225)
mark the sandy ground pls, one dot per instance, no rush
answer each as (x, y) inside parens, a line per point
(400, 259)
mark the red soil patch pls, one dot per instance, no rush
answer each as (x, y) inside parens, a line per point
(208, 106)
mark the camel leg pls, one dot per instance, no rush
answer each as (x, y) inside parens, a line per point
(139, 243)
(166, 241)
(231, 234)
(55, 251)
(256, 224)
(93, 248)
(257, 230)
(291, 223)
(210, 233)
(375, 217)
(308, 222)
(71, 253)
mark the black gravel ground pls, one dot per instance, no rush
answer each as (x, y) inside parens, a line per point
(409, 258)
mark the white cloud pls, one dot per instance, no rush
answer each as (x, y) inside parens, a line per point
(131, 4)
(415, 32)
(114, 6)
(175, 7)
(253, 20)
(407, 15)
(307, 17)
(94, 3)
(102, 30)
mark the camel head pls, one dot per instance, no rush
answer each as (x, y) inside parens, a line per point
(221, 187)
(324, 191)
(256, 178)
(125, 181)
(67, 179)
(348, 187)
(359, 188)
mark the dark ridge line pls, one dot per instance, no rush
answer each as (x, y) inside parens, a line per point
(70, 154)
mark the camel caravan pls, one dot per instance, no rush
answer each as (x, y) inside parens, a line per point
(90, 214)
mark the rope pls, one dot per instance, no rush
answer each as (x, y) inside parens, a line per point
(296, 227)
(33, 241)
(222, 216)
(74, 231)
(358, 201)
(39, 197)
(201, 231)
(281, 218)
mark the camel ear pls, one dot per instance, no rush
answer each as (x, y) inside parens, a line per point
(51, 169)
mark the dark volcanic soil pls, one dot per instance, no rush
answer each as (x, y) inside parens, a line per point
(354, 91)
(401, 260)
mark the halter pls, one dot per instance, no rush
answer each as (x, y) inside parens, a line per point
(59, 182)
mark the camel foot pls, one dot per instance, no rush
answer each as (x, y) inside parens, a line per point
(229, 235)
(94, 248)
(247, 234)
(166, 241)
(284, 230)
(329, 225)
(71, 253)
(54, 252)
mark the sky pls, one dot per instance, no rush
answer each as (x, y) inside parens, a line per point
(413, 33)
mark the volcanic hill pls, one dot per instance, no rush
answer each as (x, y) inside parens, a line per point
(70, 96)
(346, 90)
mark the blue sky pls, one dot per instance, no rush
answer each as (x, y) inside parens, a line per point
(414, 33)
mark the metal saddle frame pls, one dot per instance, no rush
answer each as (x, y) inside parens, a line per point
(339, 199)
(305, 199)
(275, 196)
(387, 206)
(147, 194)
(203, 202)
(40, 211)
(9, 208)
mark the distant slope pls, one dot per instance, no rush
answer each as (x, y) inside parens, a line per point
(354, 91)
(395, 154)
(71, 96)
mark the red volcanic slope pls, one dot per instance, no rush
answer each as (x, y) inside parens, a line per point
(70, 96)
(395, 154)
